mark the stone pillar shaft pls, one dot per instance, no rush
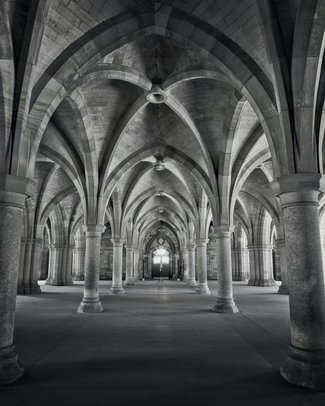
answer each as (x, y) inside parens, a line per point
(78, 264)
(202, 283)
(191, 265)
(225, 300)
(117, 287)
(282, 257)
(136, 275)
(11, 217)
(305, 363)
(186, 264)
(240, 265)
(129, 266)
(260, 259)
(90, 302)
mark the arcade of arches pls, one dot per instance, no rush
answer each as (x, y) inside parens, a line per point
(164, 140)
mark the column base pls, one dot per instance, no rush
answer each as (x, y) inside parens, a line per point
(225, 305)
(192, 282)
(283, 290)
(67, 283)
(202, 289)
(305, 368)
(53, 282)
(10, 368)
(117, 290)
(28, 289)
(78, 278)
(89, 305)
(240, 278)
(261, 282)
(128, 282)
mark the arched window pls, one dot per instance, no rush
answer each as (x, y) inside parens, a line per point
(161, 256)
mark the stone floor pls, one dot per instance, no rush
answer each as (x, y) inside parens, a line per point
(159, 344)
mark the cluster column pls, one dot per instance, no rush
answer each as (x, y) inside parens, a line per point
(11, 216)
(136, 256)
(225, 300)
(78, 264)
(202, 285)
(191, 265)
(129, 280)
(186, 264)
(90, 302)
(260, 260)
(240, 264)
(280, 249)
(29, 266)
(117, 287)
(305, 363)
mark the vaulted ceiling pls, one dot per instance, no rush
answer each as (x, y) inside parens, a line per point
(152, 110)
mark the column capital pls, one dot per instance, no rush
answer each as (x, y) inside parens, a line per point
(222, 231)
(17, 184)
(117, 242)
(93, 230)
(201, 241)
(280, 243)
(300, 188)
(190, 247)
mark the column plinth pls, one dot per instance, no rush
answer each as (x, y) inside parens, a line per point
(225, 305)
(305, 363)
(303, 368)
(10, 368)
(90, 305)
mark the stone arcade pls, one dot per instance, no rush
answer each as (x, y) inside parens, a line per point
(163, 141)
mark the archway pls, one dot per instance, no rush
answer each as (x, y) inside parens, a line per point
(161, 268)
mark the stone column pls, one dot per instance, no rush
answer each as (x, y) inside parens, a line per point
(136, 275)
(27, 265)
(129, 280)
(225, 300)
(186, 264)
(79, 264)
(20, 285)
(260, 260)
(11, 217)
(191, 265)
(90, 302)
(305, 364)
(281, 251)
(35, 269)
(67, 265)
(54, 275)
(202, 285)
(117, 287)
(176, 261)
(44, 263)
(240, 266)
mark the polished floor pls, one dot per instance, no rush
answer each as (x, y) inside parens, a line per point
(159, 344)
